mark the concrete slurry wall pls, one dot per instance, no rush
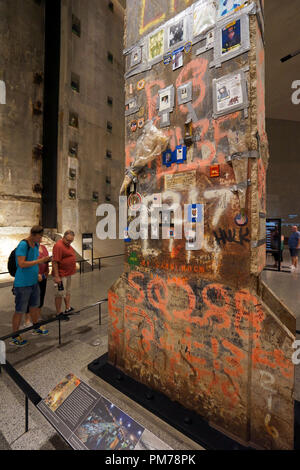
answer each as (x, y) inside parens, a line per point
(283, 175)
(86, 56)
(22, 55)
(194, 321)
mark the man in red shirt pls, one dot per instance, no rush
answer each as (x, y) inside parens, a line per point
(64, 266)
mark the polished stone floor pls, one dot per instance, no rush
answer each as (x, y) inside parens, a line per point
(43, 363)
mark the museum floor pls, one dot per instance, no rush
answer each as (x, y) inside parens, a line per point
(43, 363)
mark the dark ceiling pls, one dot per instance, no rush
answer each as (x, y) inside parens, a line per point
(282, 36)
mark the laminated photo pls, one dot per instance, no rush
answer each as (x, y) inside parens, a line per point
(178, 60)
(136, 57)
(231, 36)
(156, 45)
(205, 16)
(229, 92)
(176, 33)
(229, 6)
(165, 101)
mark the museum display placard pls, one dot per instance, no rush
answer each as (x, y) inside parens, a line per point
(89, 421)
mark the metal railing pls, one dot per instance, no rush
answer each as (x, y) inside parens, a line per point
(82, 261)
(59, 319)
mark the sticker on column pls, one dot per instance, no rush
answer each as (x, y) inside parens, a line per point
(180, 154)
(204, 15)
(157, 200)
(126, 235)
(194, 227)
(136, 57)
(165, 120)
(230, 6)
(168, 158)
(178, 60)
(195, 213)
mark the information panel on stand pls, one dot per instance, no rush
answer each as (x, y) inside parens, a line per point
(89, 421)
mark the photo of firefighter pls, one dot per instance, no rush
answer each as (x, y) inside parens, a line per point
(231, 37)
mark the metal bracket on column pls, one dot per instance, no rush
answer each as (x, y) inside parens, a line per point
(239, 187)
(258, 243)
(239, 155)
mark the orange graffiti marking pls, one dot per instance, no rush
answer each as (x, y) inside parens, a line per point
(147, 336)
(195, 71)
(184, 314)
(273, 359)
(219, 312)
(129, 147)
(152, 99)
(114, 313)
(215, 350)
(248, 308)
(161, 301)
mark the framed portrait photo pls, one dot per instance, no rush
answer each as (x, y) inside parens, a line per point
(177, 33)
(166, 100)
(230, 93)
(231, 38)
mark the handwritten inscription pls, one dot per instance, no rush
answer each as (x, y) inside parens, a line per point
(232, 236)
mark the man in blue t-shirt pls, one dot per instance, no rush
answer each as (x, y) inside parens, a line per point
(294, 246)
(26, 287)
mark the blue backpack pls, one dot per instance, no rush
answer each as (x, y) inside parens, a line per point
(12, 262)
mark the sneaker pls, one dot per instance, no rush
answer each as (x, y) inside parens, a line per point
(40, 332)
(69, 310)
(293, 268)
(27, 325)
(19, 342)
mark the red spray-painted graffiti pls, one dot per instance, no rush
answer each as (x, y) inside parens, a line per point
(152, 322)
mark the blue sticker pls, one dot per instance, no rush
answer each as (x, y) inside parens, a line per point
(168, 58)
(187, 47)
(195, 213)
(178, 156)
(168, 158)
(126, 236)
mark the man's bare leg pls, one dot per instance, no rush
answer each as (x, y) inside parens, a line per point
(34, 314)
(58, 302)
(68, 301)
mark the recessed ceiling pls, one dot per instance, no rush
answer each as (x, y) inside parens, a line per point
(282, 24)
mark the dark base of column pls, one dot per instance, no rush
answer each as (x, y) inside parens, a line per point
(187, 422)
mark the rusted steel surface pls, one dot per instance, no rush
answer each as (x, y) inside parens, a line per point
(191, 323)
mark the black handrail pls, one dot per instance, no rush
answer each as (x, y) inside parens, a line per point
(61, 317)
(81, 261)
(23, 385)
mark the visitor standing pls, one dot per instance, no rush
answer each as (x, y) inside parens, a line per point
(294, 246)
(26, 288)
(64, 267)
(42, 278)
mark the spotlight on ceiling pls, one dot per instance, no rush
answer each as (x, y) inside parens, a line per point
(290, 56)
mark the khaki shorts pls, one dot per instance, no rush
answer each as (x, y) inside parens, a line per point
(67, 282)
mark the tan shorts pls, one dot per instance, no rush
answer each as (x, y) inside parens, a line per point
(67, 282)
